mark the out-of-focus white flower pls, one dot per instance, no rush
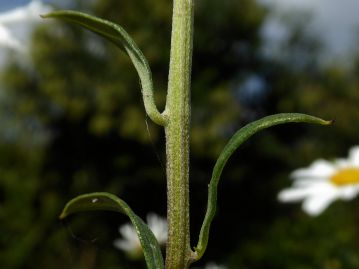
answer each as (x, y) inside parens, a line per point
(212, 265)
(16, 20)
(158, 226)
(130, 242)
(324, 182)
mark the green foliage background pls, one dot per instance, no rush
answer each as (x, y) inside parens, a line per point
(74, 123)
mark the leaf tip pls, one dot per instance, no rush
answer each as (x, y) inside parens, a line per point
(45, 16)
(325, 122)
(62, 216)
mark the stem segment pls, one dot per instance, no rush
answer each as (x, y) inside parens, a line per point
(178, 252)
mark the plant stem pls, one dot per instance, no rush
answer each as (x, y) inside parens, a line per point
(178, 252)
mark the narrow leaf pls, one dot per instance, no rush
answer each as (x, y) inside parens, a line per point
(122, 39)
(237, 139)
(106, 201)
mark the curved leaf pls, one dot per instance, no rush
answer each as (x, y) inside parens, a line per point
(122, 39)
(237, 139)
(106, 201)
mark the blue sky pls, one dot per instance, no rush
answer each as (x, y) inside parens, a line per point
(8, 4)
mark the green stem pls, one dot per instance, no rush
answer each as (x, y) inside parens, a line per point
(178, 252)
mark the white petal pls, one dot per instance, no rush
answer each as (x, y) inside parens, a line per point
(348, 192)
(128, 232)
(309, 182)
(354, 156)
(319, 169)
(125, 245)
(158, 226)
(310, 188)
(316, 204)
(130, 241)
(342, 163)
(293, 194)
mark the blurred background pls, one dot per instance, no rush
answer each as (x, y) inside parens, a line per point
(72, 121)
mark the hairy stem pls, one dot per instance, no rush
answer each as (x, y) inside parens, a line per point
(178, 252)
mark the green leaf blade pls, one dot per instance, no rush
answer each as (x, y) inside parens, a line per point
(117, 35)
(109, 202)
(237, 139)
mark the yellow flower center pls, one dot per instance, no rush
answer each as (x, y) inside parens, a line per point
(346, 176)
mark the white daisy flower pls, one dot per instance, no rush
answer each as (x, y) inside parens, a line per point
(324, 182)
(130, 242)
